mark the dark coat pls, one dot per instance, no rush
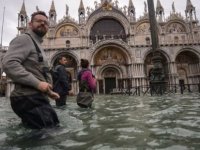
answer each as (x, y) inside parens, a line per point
(61, 86)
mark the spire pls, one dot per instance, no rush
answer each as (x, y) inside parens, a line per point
(159, 11)
(22, 20)
(189, 5)
(159, 6)
(190, 11)
(81, 7)
(23, 9)
(52, 14)
(130, 5)
(131, 11)
(52, 9)
(81, 13)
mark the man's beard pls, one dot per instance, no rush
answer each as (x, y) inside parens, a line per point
(40, 33)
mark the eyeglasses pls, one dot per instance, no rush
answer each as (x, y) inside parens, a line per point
(41, 21)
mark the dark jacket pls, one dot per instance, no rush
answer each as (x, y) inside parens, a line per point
(61, 85)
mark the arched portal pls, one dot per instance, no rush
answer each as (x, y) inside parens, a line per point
(148, 63)
(110, 65)
(182, 74)
(188, 70)
(110, 76)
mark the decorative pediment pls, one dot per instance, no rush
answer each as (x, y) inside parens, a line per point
(175, 16)
(67, 19)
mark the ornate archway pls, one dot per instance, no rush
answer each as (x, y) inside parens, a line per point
(188, 71)
(110, 64)
(110, 76)
(149, 65)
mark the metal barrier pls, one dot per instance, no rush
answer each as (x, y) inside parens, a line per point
(147, 90)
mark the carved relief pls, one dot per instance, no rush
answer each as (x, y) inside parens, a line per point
(110, 55)
(175, 28)
(66, 31)
(143, 28)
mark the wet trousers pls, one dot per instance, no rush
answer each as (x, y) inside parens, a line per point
(35, 111)
(61, 101)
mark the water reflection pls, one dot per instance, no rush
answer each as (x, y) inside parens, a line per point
(115, 123)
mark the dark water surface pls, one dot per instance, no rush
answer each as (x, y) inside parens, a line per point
(115, 123)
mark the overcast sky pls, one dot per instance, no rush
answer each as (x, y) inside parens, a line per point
(12, 8)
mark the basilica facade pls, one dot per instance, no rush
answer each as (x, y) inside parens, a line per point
(118, 45)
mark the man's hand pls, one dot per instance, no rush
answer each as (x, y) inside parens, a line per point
(44, 86)
(53, 94)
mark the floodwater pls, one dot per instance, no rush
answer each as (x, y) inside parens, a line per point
(114, 123)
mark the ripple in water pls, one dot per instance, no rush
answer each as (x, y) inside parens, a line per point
(114, 123)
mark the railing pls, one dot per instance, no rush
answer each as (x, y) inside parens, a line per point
(147, 90)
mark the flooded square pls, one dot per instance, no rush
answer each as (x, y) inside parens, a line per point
(115, 122)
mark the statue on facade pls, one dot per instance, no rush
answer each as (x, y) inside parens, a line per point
(95, 4)
(37, 9)
(88, 11)
(67, 10)
(116, 3)
(173, 8)
(125, 10)
(145, 7)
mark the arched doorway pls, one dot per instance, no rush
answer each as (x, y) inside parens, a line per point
(111, 76)
(148, 65)
(110, 66)
(188, 70)
(182, 76)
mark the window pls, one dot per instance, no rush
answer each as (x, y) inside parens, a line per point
(176, 39)
(67, 43)
(147, 40)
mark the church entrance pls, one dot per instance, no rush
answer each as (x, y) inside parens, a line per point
(110, 64)
(110, 84)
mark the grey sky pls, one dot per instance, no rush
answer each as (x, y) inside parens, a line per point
(12, 8)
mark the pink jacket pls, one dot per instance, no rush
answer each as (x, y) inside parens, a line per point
(87, 75)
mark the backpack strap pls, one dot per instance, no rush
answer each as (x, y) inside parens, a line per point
(40, 57)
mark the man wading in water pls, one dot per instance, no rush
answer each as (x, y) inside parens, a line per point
(26, 64)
